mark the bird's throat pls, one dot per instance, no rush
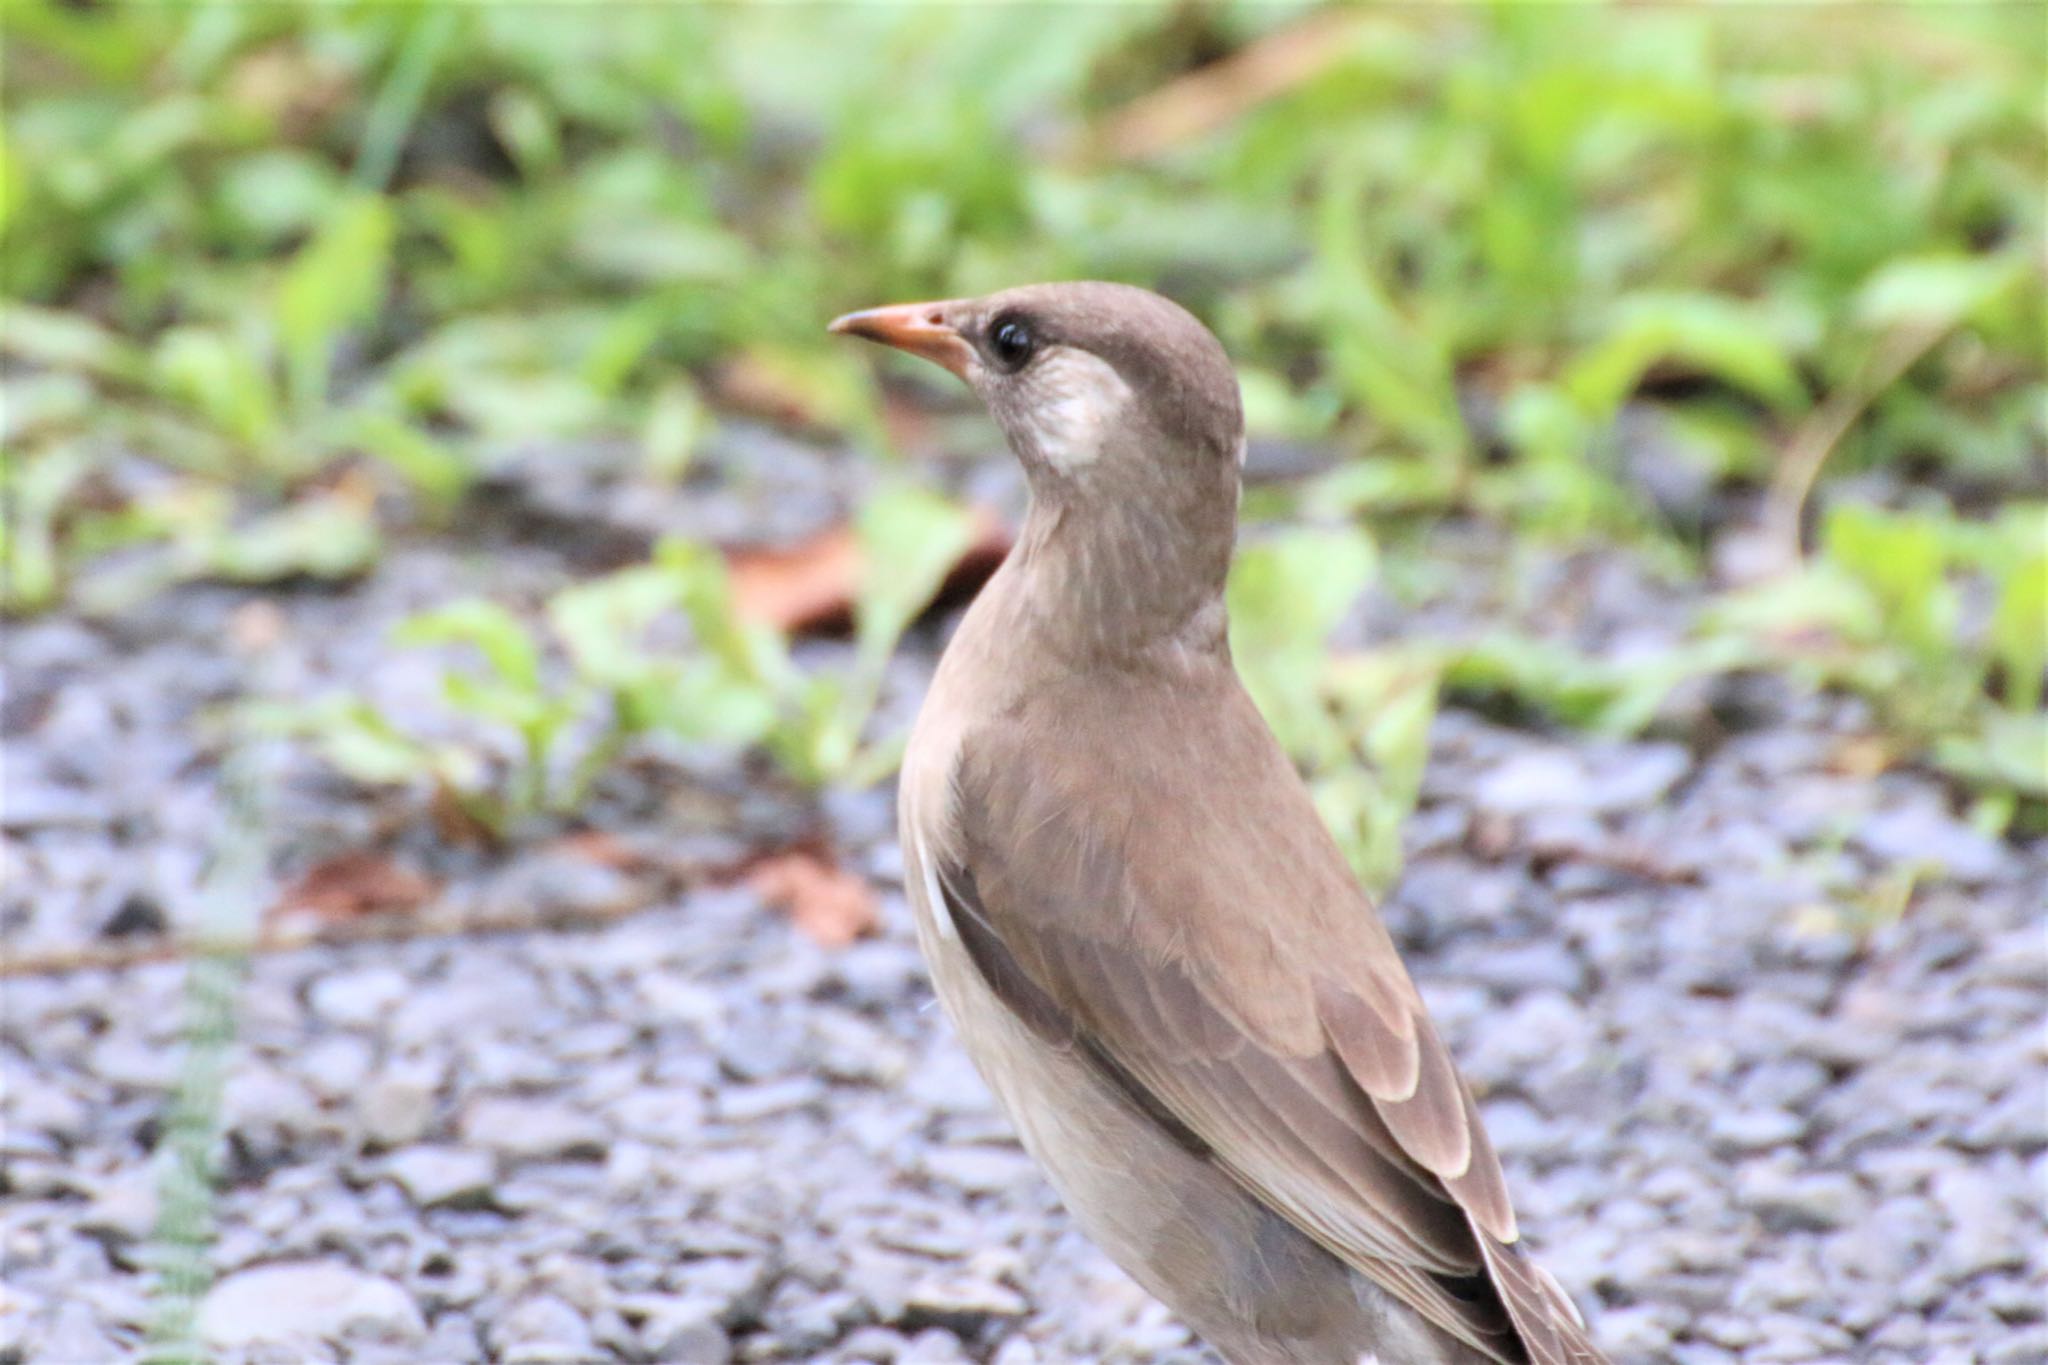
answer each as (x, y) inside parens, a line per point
(1126, 580)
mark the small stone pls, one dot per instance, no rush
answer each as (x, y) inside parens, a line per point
(1985, 1231)
(266, 1108)
(933, 1347)
(947, 1082)
(1015, 1350)
(747, 1104)
(73, 1334)
(666, 1116)
(535, 1129)
(851, 1050)
(1788, 1200)
(443, 1177)
(1536, 780)
(134, 1063)
(124, 1206)
(1638, 776)
(336, 1066)
(32, 1105)
(1922, 833)
(554, 884)
(760, 1049)
(980, 1170)
(395, 1111)
(137, 916)
(306, 1300)
(542, 1330)
(629, 1165)
(1755, 1130)
(683, 1331)
(961, 1302)
(360, 998)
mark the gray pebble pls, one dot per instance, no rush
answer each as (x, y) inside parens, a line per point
(541, 1330)
(534, 1129)
(359, 998)
(440, 1177)
(296, 1301)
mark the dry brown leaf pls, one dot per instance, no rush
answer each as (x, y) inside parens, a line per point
(810, 588)
(1214, 95)
(1861, 756)
(256, 626)
(806, 587)
(358, 883)
(600, 847)
(832, 905)
(454, 823)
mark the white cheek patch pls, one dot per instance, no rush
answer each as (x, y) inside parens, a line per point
(1076, 399)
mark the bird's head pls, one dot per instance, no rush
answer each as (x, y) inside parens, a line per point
(1093, 383)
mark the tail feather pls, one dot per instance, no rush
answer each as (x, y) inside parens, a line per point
(1548, 1321)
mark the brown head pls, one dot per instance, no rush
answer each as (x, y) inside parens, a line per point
(1125, 413)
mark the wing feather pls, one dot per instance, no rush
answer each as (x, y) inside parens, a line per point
(1217, 961)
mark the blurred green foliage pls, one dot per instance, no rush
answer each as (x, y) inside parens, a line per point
(651, 651)
(280, 279)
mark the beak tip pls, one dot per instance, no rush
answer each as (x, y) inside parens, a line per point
(920, 329)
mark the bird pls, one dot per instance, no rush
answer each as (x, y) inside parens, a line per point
(1148, 942)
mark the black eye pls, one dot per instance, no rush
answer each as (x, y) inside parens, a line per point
(1011, 341)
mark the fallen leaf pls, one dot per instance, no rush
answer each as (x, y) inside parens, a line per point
(256, 626)
(832, 905)
(810, 588)
(348, 885)
(1220, 93)
(601, 848)
(455, 823)
(803, 588)
(1862, 756)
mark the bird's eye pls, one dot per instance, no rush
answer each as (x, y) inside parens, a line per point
(1012, 342)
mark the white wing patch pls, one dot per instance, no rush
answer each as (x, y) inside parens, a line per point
(1077, 397)
(942, 914)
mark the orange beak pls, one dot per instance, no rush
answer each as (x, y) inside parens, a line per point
(919, 328)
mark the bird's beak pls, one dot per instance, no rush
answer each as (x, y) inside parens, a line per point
(919, 328)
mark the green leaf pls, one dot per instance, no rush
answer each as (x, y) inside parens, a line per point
(1392, 366)
(1286, 596)
(490, 628)
(2019, 631)
(2010, 751)
(336, 281)
(1291, 591)
(440, 473)
(675, 426)
(744, 650)
(327, 538)
(1902, 559)
(1938, 289)
(602, 623)
(910, 540)
(219, 376)
(704, 703)
(1720, 337)
(67, 341)
(36, 489)
(352, 735)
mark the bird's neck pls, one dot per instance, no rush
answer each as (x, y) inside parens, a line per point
(1118, 581)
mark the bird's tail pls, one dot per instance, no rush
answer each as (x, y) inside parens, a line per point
(1546, 1318)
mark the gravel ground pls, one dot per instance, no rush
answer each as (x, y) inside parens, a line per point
(1747, 1113)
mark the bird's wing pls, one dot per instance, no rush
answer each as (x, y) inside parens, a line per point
(1170, 905)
